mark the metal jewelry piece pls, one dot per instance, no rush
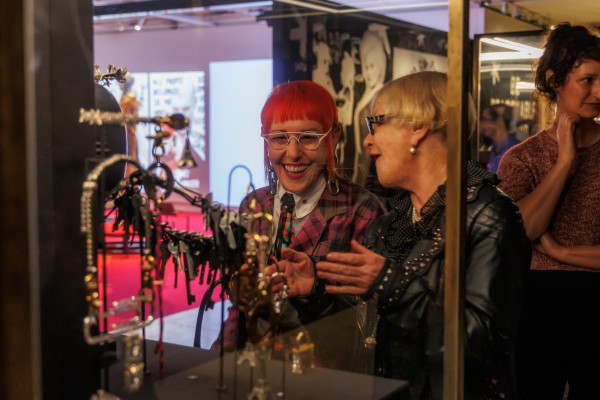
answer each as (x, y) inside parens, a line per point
(117, 74)
(98, 117)
(144, 296)
(272, 180)
(133, 364)
(303, 354)
(333, 185)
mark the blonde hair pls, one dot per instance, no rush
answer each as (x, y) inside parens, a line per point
(419, 100)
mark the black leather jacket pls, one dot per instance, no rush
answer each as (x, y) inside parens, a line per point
(410, 296)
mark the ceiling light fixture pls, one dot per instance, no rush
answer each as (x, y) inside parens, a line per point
(520, 46)
(506, 55)
(525, 86)
(522, 51)
(351, 9)
(515, 12)
(520, 13)
(140, 24)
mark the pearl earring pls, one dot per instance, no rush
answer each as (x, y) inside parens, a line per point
(413, 150)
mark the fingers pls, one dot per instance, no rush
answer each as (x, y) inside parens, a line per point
(344, 290)
(331, 268)
(344, 280)
(539, 248)
(346, 258)
(292, 255)
(277, 287)
(358, 248)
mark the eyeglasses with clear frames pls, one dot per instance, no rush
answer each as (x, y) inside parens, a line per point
(308, 140)
(374, 119)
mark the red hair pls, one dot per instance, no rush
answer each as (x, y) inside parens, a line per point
(300, 100)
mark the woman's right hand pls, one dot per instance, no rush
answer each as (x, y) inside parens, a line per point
(298, 270)
(566, 136)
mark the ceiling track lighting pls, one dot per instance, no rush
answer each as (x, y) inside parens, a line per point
(509, 9)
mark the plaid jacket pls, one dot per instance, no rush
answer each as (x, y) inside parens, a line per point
(331, 226)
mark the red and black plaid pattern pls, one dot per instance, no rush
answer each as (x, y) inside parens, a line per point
(331, 226)
(285, 229)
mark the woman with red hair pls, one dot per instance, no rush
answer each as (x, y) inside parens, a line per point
(300, 129)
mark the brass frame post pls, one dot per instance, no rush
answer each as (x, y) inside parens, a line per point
(454, 299)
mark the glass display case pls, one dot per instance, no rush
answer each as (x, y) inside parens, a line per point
(505, 85)
(107, 79)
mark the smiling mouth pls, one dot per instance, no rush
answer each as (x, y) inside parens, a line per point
(374, 157)
(295, 169)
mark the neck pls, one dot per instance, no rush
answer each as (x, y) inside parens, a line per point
(429, 175)
(587, 132)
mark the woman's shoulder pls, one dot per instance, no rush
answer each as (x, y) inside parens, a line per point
(482, 190)
(358, 194)
(492, 203)
(262, 197)
(533, 145)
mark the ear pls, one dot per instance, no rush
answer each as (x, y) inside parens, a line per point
(418, 135)
(336, 132)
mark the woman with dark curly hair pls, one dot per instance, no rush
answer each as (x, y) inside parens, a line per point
(554, 177)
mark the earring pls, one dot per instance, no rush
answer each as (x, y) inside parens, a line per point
(413, 150)
(272, 180)
(333, 185)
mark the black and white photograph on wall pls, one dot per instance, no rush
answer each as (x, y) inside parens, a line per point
(163, 94)
(352, 54)
(183, 93)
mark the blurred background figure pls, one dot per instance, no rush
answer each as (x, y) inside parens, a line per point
(175, 147)
(130, 105)
(374, 50)
(345, 103)
(494, 128)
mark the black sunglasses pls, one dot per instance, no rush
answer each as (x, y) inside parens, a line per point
(374, 119)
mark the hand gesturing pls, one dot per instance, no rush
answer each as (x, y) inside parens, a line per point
(298, 270)
(354, 272)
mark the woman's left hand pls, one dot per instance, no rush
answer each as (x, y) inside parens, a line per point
(354, 272)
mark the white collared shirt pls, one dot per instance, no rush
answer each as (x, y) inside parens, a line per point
(305, 202)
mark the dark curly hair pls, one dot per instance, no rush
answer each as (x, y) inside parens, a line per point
(567, 46)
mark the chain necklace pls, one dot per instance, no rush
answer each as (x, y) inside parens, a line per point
(369, 342)
(415, 216)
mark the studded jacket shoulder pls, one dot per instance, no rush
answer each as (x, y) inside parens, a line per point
(410, 297)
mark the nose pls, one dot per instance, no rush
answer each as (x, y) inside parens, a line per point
(596, 90)
(368, 142)
(293, 150)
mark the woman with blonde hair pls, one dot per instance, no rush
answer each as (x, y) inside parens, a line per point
(401, 260)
